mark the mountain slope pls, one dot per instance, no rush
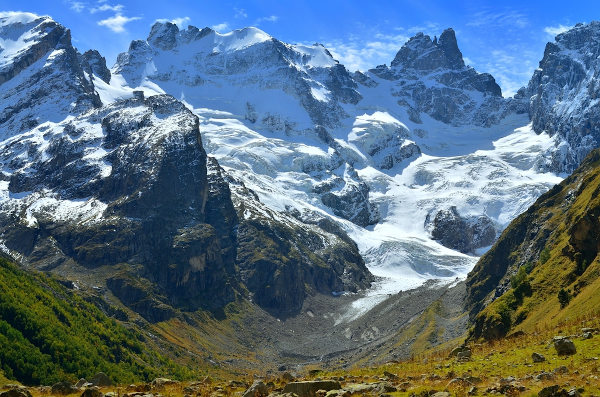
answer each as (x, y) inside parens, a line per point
(49, 333)
(41, 74)
(124, 196)
(553, 246)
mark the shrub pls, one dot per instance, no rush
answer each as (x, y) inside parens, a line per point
(563, 297)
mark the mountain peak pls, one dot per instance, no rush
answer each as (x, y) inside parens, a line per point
(422, 53)
(163, 35)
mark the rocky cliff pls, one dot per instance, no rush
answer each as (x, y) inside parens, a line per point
(125, 195)
(564, 93)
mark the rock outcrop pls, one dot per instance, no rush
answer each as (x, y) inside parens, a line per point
(460, 233)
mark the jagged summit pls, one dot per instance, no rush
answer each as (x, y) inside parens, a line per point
(41, 73)
(166, 36)
(422, 53)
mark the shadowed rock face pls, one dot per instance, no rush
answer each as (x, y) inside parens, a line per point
(564, 92)
(464, 234)
(94, 63)
(128, 188)
(166, 222)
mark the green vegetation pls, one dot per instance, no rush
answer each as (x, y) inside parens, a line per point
(560, 235)
(49, 333)
(563, 298)
(544, 255)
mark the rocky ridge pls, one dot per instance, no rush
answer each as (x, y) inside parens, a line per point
(564, 94)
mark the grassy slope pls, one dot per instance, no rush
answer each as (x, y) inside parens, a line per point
(49, 333)
(564, 222)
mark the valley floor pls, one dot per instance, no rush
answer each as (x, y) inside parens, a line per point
(502, 367)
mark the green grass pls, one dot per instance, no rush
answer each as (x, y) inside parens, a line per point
(49, 333)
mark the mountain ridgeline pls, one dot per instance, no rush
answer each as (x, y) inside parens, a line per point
(238, 179)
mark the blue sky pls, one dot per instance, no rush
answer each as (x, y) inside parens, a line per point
(504, 38)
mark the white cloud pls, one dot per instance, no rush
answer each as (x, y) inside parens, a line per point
(222, 27)
(107, 7)
(271, 18)
(77, 6)
(506, 17)
(553, 31)
(359, 54)
(117, 22)
(511, 67)
(180, 22)
(240, 13)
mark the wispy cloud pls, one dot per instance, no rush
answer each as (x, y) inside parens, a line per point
(511, 67)
(77, 6)
(553, 31)
(506, 17)
(107, 7)
(270, 18)
(358, 53)
(222, 27)
(240, 13)
(181, 22)
(117, 22)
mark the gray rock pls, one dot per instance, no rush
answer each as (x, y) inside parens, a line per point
(544, 376)
(440, 394)
(537, 357)
(101, 379)
(81, 382)
(352, 201)
(587, 335)
(94, 63)
(562, 370)
(92, 392)
(258, 389)
(556, 391)
(64, 388)
(564, 346)
(462, 234)
(464, 351)
(310, 388)
(16, 391)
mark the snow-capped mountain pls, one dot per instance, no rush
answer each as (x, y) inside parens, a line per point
(121, 196)
(564, 94)
(417, 165)
(386, 149)
(40, 73)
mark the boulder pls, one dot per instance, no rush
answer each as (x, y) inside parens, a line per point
(81, 382)
(92, 392)
(542, 376)
(310, 388)
(258, 389)
(537, 357)
(101, 379)
(556, 391)
(459, 349)
(64, 388)
(587, 335)
(564, 346)
(562, 370)
(160, 383)
(16, 391)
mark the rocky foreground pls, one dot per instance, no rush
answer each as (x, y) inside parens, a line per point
(541, 364)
